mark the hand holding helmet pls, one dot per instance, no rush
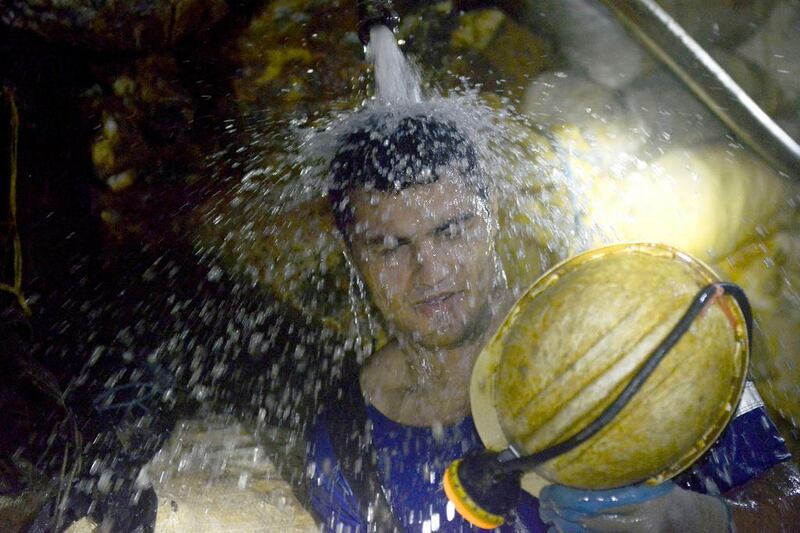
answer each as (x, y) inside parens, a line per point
(603, 377)
(642, 507)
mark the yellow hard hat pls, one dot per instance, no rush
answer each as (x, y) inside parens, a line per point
(577, 337)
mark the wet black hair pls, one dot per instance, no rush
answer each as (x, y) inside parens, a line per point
(377, 157)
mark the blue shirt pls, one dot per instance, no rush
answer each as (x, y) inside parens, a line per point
(411, 461)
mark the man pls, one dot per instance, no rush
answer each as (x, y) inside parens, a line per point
(419, 220)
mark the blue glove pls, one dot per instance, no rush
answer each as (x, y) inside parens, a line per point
(651, 508)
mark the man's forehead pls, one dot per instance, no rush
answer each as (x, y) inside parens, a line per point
(414, 208)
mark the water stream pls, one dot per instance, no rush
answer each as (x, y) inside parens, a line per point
(396, 80)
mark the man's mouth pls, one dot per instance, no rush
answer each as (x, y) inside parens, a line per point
(437, 299)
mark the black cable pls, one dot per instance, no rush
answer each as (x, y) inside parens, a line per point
(521, 464)
(737, 293)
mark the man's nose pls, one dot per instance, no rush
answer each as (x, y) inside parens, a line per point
(430, 264)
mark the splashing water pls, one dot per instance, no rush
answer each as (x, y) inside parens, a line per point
(273, 234)
(546, 213)
(276, 231)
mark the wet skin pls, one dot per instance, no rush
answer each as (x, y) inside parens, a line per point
(426, 255)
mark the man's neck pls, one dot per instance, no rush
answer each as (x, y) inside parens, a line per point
(440, 366)
(453, 364)
(416, 385)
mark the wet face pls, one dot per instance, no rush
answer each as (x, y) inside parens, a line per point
(426, 256)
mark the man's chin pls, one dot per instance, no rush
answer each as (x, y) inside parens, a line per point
(442, 333)
(444, 338)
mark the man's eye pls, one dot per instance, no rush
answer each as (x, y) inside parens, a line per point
(391, 245)
(454, 231)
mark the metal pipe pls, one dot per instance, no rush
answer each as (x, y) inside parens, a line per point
(372, 13)
(653, 26)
